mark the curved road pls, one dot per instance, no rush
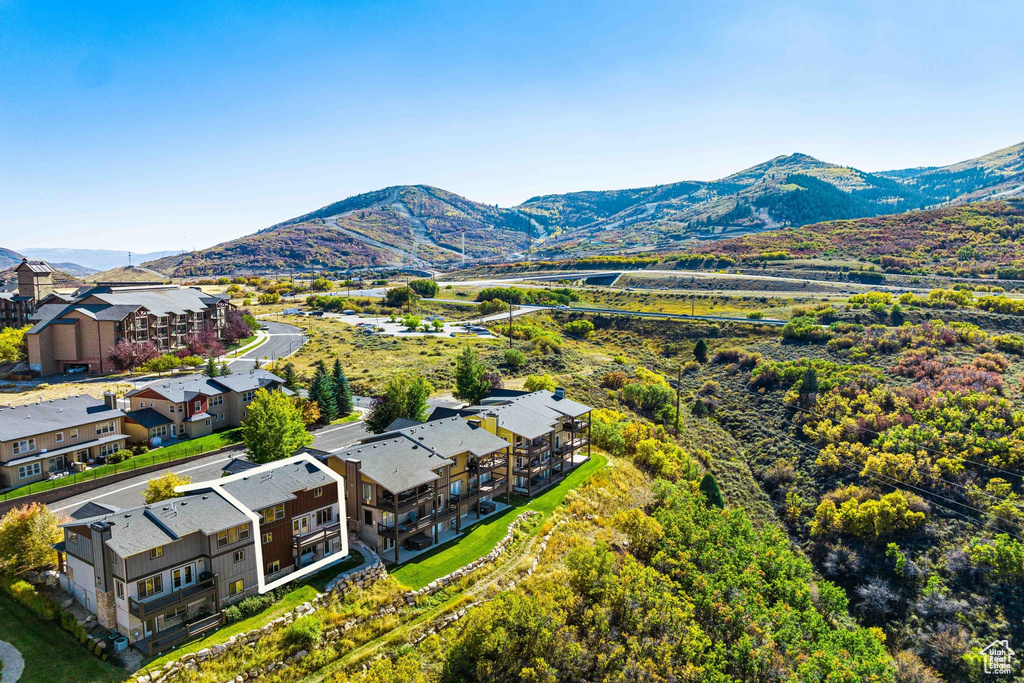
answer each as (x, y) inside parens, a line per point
(282, 341)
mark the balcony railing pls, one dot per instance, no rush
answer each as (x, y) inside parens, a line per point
(180, 634)
(316, 536)
(144, 609)
(422, 494)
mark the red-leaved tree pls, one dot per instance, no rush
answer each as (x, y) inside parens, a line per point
(126, 355)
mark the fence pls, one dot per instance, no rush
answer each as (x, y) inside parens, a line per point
(174, 452)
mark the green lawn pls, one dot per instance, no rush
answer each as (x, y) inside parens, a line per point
(176, 451)
(50, 653)
(303, 591)
(240, 343)
(481, 537)
(354, 416)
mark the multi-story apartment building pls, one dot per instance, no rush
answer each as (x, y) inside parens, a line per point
(161, 574)
(547, 430)
(194, 405)
(413, 487)
(83, 332)
(34, 287)
(41, 438)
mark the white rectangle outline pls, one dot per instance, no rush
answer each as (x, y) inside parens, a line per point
(217, 485)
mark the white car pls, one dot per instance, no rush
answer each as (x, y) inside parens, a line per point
(562, 307)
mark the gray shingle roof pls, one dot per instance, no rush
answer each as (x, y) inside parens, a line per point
(146, 527)
(38, 418)
(271, 487)
(160, 301)
(453, 435)
(401, 423)
(148, 418)
(181, 389)
(397, 463)
(92, 510)
(532, 415)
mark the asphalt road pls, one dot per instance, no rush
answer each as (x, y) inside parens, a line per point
(282, 341)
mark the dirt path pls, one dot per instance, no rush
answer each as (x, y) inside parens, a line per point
(420, 233)
(14, 663)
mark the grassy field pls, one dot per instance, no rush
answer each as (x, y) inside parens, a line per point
(182, 449)
(50, 653)
(301, 592)
(480, 538)
(53, 392)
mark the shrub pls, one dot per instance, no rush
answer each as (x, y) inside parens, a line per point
(27, 595)
(120, 456)
(425, 288)
(579, 328)
(515, 359)
(741, 357)
(614, 380)
(304, 632)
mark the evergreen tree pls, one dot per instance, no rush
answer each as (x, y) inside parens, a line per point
(225, 369)
(709, 487)
(404, 396)
(471, 382)
(291, 382)
(211, 368)
(342, 390)
(320, 390)
(700, 351)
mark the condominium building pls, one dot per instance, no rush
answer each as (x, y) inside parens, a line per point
(193, 405)
(161, 574)
(549, 433)
(33, 288)
(81, 334)
(39, 439)
(417, 486)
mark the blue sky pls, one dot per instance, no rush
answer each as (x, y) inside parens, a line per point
(145, 126)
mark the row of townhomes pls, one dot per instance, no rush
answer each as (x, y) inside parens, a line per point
(80, 333)
(162, 573)
(41, 440)
(418, 484)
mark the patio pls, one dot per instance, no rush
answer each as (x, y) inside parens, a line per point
(406, 554)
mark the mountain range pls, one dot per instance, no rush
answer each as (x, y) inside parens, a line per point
(423, 226)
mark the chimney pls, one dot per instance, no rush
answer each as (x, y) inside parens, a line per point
(560, 392)
(110, 400)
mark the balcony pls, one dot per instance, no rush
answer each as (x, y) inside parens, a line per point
(408, 499)
(176, 635)
(152, 607)
(533, 466)
(316, 536)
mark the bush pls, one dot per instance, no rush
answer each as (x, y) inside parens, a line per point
(425, 288)
(515, 359)
(614, 380)
(27, 595)
(304, 632)
(119, 456)
(579, 328)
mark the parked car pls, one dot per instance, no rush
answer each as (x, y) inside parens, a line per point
(76, 369)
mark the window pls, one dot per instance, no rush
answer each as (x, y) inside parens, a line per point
(25, 446)
(109, 448)
(151, 586)
(71, 573)
(455, 488)
(367, 516)
(181, 408)
(232, 535)
(267, 538)
(207, 423)
(183, 576)
(325, 516)
(176, 614)
(198, 406)
(156, 552)
(248, 396)
(274, 567)
(159, 431)
(171, 408)
(119, 589)
(217, 400)
(105, 428)
(72, 537)
(59, 437)
(318, 492)
(30, 470)
(235, 587)
(55, 464)
(272, 514)
(367, 492)
(74, 433)
(239, 555)
(300, 526)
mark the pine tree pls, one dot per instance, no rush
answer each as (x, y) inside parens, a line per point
(225, 370)
(211, 368)
(341, 389)
(709, 487)
(320, 391)
(291, 382)
(700, 351)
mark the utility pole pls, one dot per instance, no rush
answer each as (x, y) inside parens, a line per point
(510, 317)
(679, 388)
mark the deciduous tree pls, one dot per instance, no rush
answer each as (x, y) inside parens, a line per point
(273, 428)
(26, 533)
(162, 487)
